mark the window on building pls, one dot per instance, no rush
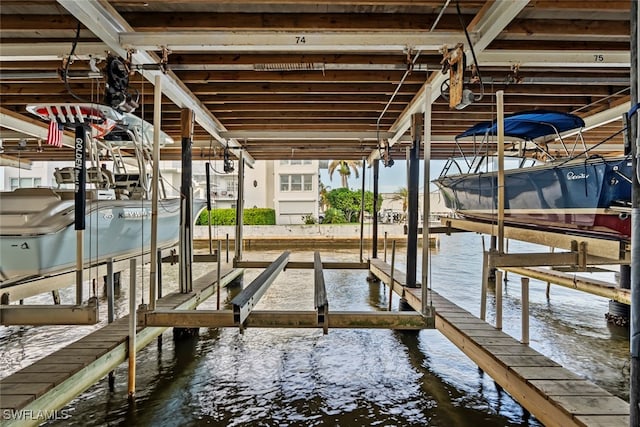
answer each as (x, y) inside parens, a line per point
(25, 182)
(296, 182)
(295, 162)
(308, 182)
(284, 182)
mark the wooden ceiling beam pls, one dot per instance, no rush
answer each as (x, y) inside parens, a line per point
(171, 21)
(566, 29)
(307, 76)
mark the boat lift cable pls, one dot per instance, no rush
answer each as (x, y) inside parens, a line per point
(141, 172)
(410, 66)
(65, 72)
(473, 53)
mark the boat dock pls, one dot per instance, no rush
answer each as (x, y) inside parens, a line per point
(553, 394)
(31, 395)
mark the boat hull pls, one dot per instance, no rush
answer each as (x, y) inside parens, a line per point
(46, 243)
(583, 197)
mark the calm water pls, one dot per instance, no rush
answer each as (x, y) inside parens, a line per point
(272, 377)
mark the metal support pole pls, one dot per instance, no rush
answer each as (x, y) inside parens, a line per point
(362, 211)
(376, 208)
(413, 174)
(500, 122)
(186, 189)
(110, 312)
(239, 208)
(393, 267)
(525, 310)
(485, 284)
(499, 299)
(159, 273)
(208, 177)
(426, 201)
(80, 169)
(634, 387)
(227, 237)
(110, 302)
(131, 379)
(219, 274)
(157, 120)
(386, 233)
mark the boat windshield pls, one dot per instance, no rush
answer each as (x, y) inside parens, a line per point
(486, 164)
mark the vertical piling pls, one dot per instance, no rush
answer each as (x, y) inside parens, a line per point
(426, 201)
(186, 236)
(110, 312)
(80, 169)
(208, 180)
(501, 197)
(110, 302)
(499, 299)
(634, 387)
(413, 174)
(131, 379)
(157, 120)
(525, 309)
(485, 284)
(219, 275)
(362, 211)
(393, 267)
(386, 234)
(374, 243)
(239, 208)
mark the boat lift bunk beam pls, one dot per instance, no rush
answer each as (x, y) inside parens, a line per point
(598, 251)
(246, 300)
(40, 315)
(287, 319)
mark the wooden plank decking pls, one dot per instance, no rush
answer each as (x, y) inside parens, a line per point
(555, 395)
(30, 395)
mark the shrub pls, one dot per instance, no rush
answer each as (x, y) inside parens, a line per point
(309, 219)
(334, 216)
(259, 216)
(253, 216)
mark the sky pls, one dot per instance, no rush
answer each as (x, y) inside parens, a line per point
(390, 179)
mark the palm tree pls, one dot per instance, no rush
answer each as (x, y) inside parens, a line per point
(344, 168)
(324, 196)
(402, 194)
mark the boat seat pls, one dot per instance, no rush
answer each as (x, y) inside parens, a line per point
(64, 175)
(101, 177)
(27, 200)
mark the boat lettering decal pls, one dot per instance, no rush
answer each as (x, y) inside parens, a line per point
(133, 213)
(79, 150)
(571, 176)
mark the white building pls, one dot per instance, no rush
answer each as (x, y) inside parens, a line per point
(296, 195)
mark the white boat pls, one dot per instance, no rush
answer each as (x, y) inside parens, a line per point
(37, 233)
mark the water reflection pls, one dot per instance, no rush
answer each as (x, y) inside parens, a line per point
(348, 377)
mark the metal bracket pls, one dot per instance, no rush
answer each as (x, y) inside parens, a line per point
(577, 257)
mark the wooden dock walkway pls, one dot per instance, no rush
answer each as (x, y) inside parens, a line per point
(553, 394)
(31, 395)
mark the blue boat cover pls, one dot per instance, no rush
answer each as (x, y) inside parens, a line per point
(528, 125)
